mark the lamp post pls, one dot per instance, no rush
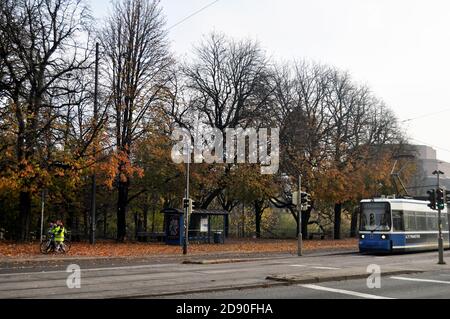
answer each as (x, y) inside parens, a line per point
(94, 176)
(299, 208)
(186, 206)
(440, 239)
(42, 213)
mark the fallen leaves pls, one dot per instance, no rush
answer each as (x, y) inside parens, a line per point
(132, 249)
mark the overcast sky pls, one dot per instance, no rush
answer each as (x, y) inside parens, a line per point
(400, 48)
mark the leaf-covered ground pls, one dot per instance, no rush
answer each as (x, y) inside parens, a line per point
(113, 249)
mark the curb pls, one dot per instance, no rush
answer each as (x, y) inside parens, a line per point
(318, 279)
(202, 290)
(230, 260)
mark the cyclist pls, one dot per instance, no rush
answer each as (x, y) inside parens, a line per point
(59, 231)
(51, 233)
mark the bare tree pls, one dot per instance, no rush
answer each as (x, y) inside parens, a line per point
(136, 48)
(38, 50)
(225, 80)
(228, 87)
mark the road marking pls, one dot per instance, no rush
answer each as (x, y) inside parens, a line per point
(422, 280)
(325, 268)
(88, 269)
(345, 292)
(297, 265)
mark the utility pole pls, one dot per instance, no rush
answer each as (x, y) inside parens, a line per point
(299, 209)
(440, 238)
(94, 177)
(42, 213)
(186, 204)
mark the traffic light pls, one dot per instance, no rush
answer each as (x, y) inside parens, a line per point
(196, 205)
(432, 198)
(305, 201)
(188, 204)
(185, 203)
(440, 198)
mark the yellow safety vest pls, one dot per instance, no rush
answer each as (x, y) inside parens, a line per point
(59, 233)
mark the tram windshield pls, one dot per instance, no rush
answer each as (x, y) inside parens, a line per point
(375, 217)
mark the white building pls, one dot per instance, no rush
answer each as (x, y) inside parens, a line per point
(426, 163)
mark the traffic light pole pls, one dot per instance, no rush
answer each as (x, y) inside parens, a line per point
(299, 208)
(186, 211)
(440, 238)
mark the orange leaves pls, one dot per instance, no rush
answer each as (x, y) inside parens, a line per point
(112, 249)
(118, 164)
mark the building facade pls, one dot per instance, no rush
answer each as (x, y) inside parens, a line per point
(426, 163)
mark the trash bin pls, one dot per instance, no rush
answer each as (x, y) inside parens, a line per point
(217, 237)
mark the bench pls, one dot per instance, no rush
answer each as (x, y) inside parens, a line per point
(149, 236)
(316, 234)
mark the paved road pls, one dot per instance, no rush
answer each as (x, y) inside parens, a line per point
(180, 280)
(433, 285)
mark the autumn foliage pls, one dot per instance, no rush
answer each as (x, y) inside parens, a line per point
(109, 249)
(62, 133)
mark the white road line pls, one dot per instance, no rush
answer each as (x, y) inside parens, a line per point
(422, 280)
(87, 269)
(297, 265)
(325, 268)
(345, 292)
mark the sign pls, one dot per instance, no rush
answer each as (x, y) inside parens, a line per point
(173, 227)
(204, 225)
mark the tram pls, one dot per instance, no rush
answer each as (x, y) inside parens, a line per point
(400, 225)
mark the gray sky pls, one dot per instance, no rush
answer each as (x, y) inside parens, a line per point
(401, 48)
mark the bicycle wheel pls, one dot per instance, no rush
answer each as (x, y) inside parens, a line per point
(66, 245)
(46, 246)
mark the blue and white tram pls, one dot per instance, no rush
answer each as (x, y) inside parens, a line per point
(388, 225)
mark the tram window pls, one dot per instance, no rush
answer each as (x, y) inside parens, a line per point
(421, 221)
(375, 217)
(397, 220)
(410, 221)
(444, 222)
(432, 223)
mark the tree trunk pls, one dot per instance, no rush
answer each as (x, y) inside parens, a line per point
(136, 226)
(227, 225)
(258, 225)
(305, 220)
(86, 223)
(145, 211)
(295, 215)
(337, 220)
(122, 211)
(105, 223)
(354, 223)
(24, 216)
(258, 215)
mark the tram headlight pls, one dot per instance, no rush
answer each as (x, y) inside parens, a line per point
(363, 236)
(383, 237)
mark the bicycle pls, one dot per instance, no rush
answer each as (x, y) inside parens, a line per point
(48, 245)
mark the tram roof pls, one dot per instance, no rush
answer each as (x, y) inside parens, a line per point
(395, 200)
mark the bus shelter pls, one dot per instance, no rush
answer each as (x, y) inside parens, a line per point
(205, 226)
